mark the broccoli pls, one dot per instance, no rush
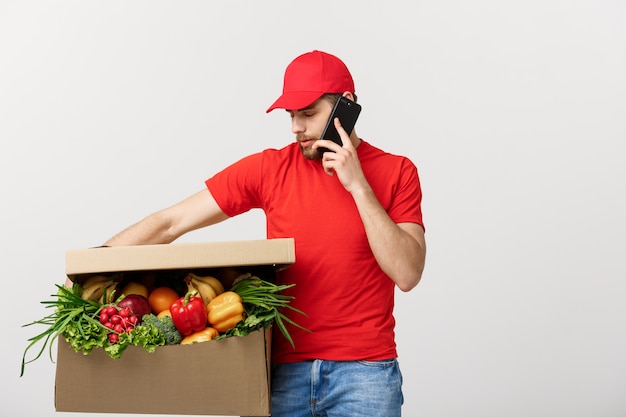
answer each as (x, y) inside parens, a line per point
(165, 326)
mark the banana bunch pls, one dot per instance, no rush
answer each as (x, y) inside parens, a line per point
(95, 288)
(208, 287)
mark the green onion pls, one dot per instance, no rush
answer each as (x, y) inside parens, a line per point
(263, 302)
(69, 308)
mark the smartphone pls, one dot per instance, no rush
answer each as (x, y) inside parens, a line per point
(348, 112)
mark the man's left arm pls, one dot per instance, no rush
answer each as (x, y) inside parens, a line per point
(399, 249)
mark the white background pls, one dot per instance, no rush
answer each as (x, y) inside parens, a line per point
(514, 113)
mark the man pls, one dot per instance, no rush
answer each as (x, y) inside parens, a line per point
(355, 215)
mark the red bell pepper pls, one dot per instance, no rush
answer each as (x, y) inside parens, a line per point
(189, 313)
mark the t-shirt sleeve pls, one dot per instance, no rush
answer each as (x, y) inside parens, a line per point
(236, 189)
(407, 204)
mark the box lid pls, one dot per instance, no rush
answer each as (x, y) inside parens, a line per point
(277, 252)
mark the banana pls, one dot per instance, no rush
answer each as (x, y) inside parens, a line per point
(208, 287)
(212, 281)
(95, 279)
(205, 290)
(191, 286)
(94, 291)
(94, 288)
(109, 293)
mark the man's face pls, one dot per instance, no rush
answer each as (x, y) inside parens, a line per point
(308, 124)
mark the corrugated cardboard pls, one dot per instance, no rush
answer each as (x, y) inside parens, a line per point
(279, 252)
(226, 377)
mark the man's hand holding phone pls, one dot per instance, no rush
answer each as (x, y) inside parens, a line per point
(327, 145)
(343, 160)
(347, 111)
(337, 150)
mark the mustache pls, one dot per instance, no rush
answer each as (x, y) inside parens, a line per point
(305, 137)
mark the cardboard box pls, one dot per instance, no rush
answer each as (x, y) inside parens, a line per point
(226, 377)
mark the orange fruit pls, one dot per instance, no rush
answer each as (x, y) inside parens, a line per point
(161, 298)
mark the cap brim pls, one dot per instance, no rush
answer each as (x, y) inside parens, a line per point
(295, 100)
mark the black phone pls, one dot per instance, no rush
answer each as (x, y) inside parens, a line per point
(348, 112)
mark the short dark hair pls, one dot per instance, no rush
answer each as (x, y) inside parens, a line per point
(333, 97)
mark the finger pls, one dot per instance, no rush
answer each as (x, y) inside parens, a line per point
(327, 164)
(325, 143)
(345, 138)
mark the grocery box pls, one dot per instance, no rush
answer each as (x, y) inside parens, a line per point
(225, 377)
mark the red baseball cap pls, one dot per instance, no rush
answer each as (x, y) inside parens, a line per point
(311, 75)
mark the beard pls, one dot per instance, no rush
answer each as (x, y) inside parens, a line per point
(309, 153)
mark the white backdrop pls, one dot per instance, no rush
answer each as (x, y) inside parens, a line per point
(514, 113)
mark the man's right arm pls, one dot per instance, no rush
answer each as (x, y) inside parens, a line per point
(165, 226)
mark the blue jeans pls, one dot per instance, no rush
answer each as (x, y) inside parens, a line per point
(337, 389)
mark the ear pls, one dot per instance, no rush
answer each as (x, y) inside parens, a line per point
(348, 95)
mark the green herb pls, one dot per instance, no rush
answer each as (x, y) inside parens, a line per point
(146, 336)
(77, 320)
(263, 303)
(72, 314)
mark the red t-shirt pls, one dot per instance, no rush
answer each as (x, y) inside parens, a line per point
(347, 298)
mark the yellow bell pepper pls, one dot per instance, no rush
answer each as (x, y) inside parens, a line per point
(225, 311)
(200, 336)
